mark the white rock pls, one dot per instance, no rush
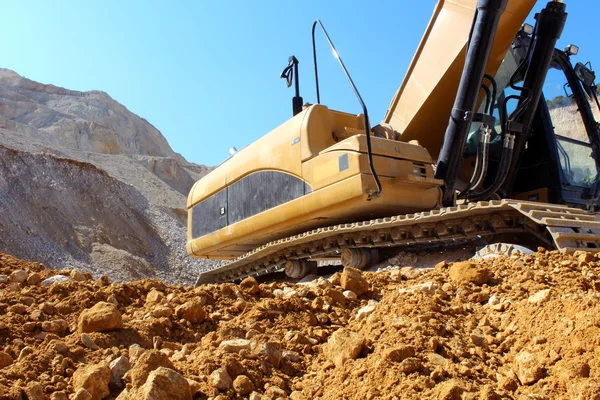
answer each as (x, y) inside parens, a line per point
(220, 379)
(365, 311)
(56, 279)
(88, 342)
(118, 368)
(427, 288)
(235, 345)
(493, 300)
(350, 295)
(540, 297)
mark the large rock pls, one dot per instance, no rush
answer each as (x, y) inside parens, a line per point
(191, 311)
(102, 317)
(164, 384)
(353, 280)
(148, 362)
(469, 272)
(528, 368)
(344, 345)
(94, 379)
(220, 379)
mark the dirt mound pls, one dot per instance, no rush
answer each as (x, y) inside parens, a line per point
(521, 327)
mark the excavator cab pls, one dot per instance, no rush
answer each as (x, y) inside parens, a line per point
(559, 164)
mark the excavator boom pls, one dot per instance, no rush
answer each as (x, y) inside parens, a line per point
(433, 76)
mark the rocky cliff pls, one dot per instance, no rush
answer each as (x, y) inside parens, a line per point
(86, 182)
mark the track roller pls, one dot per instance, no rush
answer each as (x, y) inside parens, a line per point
(297, 269)
(359, 258)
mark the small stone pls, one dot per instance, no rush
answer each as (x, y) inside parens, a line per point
(5, 359)
(365, 311)
(250, 285)
(59, 396)
(56, 279)
(3, 278)
(191, 311)
(344, 345)
(410, 272)
(437, 359)
(82, 394)
(25, 351)
(410, 365)
(493, 300)
(78, 276)
(47, 308)
(35, 391)
(335, 279)
(148, 362)
(255, 396)
(34, 278)
(350, 295)
(400, 353)
(118, 368)
(18, 276)
(154, 297)
(102, 317)
(540, 297)
(235, 345)
(59, 346)
(296, 395)
(243, 385)
(94, 378)
(59, 326)
(161, 312)
(252, 333)
(353, 280)
(469, 272)
(17, 309)
(479, 339)
(450, 390)
(272, 352)
(528, 369)
(88, 342)
(220, 379)
(135, 351)
(275, 392)
(426, 288)
(291, 356)
(164, 383)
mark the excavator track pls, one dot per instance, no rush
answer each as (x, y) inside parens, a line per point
(564, 228)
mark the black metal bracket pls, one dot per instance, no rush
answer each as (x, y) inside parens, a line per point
(291, 72)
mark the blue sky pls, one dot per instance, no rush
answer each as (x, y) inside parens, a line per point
(206, 74)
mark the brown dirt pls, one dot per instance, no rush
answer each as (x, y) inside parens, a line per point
(529, 329)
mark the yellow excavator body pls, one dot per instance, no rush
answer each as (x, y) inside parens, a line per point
(309, 172)
(308, 189)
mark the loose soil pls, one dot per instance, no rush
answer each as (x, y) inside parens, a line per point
(525, 327)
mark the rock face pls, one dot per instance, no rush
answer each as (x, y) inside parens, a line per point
(84, 181)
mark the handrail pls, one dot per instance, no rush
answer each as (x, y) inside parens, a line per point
(360, 100)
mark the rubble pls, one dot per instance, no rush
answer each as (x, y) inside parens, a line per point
(529, 330)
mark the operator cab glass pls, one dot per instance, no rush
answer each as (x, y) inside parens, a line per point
(575, 152)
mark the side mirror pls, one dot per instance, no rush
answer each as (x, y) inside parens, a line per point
(585, 75)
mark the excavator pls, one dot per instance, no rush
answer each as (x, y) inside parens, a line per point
(492, 136)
